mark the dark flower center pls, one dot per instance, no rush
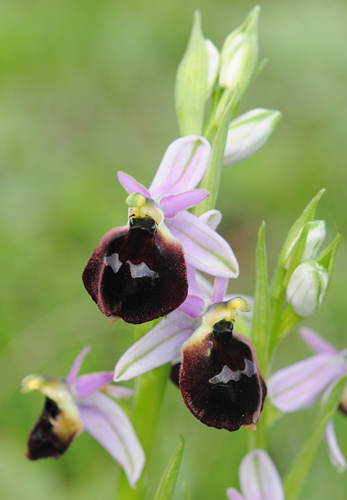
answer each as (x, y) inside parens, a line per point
(145, 223)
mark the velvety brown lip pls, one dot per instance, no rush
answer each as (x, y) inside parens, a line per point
(43, 442)
(220, 380)
(136, 273)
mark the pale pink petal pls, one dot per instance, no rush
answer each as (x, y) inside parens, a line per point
(182, 167)
(174, 203)
(212, 218)
(316, 342)
(77, 365)
(233, 494)
(335, 454)
(299, 385)
(131, 185)
(85, 385)
(219, 289)
(104, 420)
(204, 249)
(259, 478)
(159, 346)
(193, 306)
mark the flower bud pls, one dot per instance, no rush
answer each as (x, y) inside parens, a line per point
(248, 133)
(315, 237)
(240, 53)
(306, 287)
(192, 82)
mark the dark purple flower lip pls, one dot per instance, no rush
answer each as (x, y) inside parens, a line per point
(49, 438)
(220, 380)
(138, 271)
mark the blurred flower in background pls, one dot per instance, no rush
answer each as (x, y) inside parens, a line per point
(299, 386)
(259, 479)
(76, 404)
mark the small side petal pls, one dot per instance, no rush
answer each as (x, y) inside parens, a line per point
(233, 494)
(110, 426)
(259, 478)
(204, 249)
(219, 289)
(193, 306)
(77, 365)
(300, 385)
(173, 204)
(118, 392)
(335, 454)
(316, 342)
(182, 167)
(85, 385)
(131, 185)
(159, 346)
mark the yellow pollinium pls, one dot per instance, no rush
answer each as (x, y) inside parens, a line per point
(137, 203)
(31, 383)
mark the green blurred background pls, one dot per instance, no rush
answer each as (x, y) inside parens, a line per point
(86, 89)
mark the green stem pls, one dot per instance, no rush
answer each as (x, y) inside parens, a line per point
(275, 318)
(288, 321)
(211, 179)
(148, 398)
(211, 124)
(149, 393)
(258, 438)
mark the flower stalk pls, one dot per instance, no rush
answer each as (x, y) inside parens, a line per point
(149, 387)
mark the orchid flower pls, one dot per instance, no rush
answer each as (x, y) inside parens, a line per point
(219, 376)
(138, 271)
(259, 479)
(300, 385)
(76, 404)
